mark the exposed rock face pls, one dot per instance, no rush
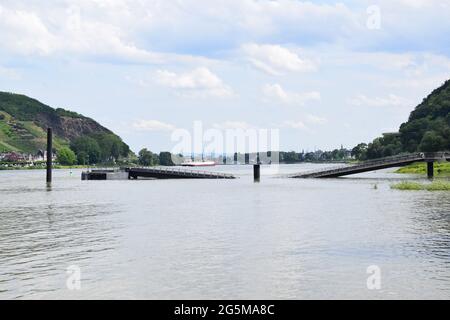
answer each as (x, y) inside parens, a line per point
(70, 128)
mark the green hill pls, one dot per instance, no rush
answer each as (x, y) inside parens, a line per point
(427, 129)
(24, 121)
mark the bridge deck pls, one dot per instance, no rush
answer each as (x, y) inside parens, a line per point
(175, 173)
(152, 173)
(373, 165)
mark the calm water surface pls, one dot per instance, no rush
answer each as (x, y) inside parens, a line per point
(222, 239)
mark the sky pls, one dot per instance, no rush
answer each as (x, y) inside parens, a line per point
(324, 73)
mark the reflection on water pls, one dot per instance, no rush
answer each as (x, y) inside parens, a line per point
(281, 238)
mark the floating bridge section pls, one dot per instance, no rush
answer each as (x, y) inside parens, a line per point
(152, 173)
(372, 165)
(175, 173)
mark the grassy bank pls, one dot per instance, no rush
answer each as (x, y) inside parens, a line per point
(440, 185)
(55, 167)
(440, 169)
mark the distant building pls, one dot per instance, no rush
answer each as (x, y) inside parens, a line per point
(13, 157)
(25, 157)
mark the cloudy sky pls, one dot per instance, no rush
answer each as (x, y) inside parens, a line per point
(325, 73)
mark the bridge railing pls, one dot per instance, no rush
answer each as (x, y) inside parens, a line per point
(368, 163)
(184, 171)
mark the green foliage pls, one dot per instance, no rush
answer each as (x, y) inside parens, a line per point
(26, 121)
(148, 158)
(440, 169)
(427, 130)
(103, 147)
(82, 158)
(5, 129)
(66, 157)
(360, 151)
(386, 146)
(87, 149)
(432, 142)
(415, 186)
(111, 146)
(66, 113)
(290, 157)
(165, 159)
(22, 107)
(407, 185)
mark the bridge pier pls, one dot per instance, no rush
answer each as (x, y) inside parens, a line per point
(49, 155)
(257, 172)
(430, 169)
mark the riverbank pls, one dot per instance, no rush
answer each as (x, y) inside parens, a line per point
(55, 167)
(441, 169)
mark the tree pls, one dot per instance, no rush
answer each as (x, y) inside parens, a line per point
(147, 158)
(66, 157)
(88, 148)
(111, 146)
(432, 142)
(165, 159)
(82, 158)
(360, 152)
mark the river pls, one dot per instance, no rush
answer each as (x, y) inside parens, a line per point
(222, 239)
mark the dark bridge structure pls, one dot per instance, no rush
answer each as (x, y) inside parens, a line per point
(378, 164)
(175, 173)
(152, 173)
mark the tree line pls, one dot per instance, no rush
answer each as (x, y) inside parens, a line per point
(93, 149)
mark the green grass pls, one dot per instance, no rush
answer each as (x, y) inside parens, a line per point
(30, 141)
(439, 185)
(440, 169)
(4, 147)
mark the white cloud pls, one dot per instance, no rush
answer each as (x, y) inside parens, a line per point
(200, 82)
(152, 125)
(275, 92)
(391, 100)
(147, 31)
(299, 125)
(316, 120)
(97, 29)
(25, 32)
(275, 59)
(302, 124)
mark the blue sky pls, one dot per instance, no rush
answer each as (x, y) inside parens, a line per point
(325, 73)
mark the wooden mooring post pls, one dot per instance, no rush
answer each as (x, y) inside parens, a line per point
(49, 155)
(257, 172)
(430, 169)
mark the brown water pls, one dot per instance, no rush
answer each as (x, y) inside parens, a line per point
(222, 239)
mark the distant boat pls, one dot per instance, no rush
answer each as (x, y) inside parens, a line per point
(198, 164)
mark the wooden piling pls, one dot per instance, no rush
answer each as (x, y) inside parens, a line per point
(430, 169)
(49, 155)
(257, 172)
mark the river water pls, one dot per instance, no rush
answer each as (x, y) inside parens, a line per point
(222, 239)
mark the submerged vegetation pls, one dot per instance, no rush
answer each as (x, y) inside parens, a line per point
(439, 185)
(440, 169)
